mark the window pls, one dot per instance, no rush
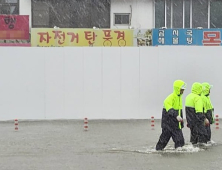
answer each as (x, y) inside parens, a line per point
(177, 14)
(215, 14)
(71, 13)
(122, 19)
(103, 8)
(159, 13)
(168, 13)
(187, 13)
(40, 14)
(200, 13)
(9, 7)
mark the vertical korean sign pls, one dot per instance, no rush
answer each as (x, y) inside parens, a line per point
(14, 27)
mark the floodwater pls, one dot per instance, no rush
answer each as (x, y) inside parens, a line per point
(107, 145)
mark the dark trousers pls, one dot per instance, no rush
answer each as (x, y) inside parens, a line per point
(198, 134)
(176, 135)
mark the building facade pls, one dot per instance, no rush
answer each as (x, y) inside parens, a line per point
(137, 14)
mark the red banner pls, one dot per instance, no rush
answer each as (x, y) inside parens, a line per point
(14, 27)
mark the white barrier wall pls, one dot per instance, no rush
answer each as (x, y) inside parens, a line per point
(101, 83)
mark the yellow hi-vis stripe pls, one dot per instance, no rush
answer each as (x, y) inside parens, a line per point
(179, 122)
(179, 125)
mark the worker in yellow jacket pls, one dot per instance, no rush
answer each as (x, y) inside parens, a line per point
(208, 107)
(172, 117)
(194, 114)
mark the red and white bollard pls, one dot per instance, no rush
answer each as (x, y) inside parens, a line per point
(217, 121)
(152, 122)
(16, 124)
(85, 124)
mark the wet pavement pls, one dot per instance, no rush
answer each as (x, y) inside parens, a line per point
(108, 145)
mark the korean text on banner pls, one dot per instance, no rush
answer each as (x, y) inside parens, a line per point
(174, 36)
(200, 37)
(49, 37)
(14, 27)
